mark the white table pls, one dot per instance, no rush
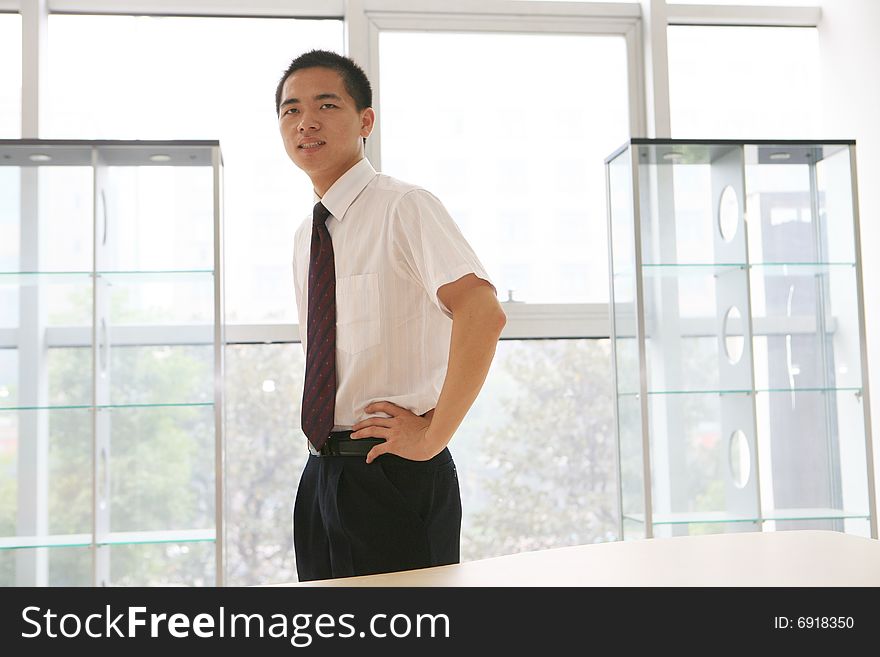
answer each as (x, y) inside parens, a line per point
(784, 558)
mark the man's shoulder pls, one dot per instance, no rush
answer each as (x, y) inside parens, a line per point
(394, 186)
(397, 190)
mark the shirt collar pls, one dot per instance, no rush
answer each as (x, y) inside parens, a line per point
(345, 190)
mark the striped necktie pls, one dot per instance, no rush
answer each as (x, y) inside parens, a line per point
(319, 389)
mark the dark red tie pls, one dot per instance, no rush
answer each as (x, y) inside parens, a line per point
(319, 389)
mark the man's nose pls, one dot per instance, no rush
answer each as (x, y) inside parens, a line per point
(307, 121)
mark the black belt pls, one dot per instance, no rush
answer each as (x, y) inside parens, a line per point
(339, 444)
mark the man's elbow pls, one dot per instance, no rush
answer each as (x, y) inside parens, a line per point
(498, 318)
(487, 316)
(480, 306)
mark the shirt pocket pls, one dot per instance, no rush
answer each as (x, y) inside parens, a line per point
(357, 315)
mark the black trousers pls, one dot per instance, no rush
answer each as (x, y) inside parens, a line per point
(352, 518)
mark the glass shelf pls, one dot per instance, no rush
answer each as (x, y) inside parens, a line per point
(101, 406)
(108, 272)
(690, 518)
(688, 392)
(59, 277)
(701, 517)
(43, 277)
(717, 268)
(158, 275)
(60, 540)
(738, 337)
(814, 514)
(77, 152)
(153, 537)
(113, 415)
(114, 538)
(60, 407)
(692, 269)
(856, 390)
(808, 265)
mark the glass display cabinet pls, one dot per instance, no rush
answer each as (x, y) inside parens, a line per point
(740, 371)
(111, 363)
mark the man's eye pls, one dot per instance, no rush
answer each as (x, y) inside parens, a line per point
(291, 109)
(326, 104)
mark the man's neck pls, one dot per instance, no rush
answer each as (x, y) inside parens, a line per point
(322, 184)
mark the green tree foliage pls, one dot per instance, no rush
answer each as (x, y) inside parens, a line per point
(547, 475)
(535, 457)
(265, 453)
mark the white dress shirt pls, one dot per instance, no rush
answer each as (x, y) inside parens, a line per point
(394, 245)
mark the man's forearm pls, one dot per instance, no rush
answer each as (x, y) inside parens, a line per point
(476, 327)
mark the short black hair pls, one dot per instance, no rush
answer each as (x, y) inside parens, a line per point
(353, 77)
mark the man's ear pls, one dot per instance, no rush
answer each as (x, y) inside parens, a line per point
(368, 120)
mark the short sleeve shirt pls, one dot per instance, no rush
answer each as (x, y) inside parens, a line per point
(394, 246)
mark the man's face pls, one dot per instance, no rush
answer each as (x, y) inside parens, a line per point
(321, 126)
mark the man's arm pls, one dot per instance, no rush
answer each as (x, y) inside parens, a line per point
(477, 322)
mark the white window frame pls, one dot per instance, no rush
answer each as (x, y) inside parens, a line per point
(643, 25)
(524, 320)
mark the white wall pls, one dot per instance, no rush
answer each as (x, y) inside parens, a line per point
(849, 43)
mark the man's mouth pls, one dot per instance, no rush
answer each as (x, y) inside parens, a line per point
(314, 144)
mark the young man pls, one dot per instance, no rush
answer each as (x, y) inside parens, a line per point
(399, 322)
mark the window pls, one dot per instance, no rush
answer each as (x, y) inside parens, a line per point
(536, 451)
(178, 78)
(513, 141)
(744, 82)
(510, 129)
(535, 454)
(192, 87)
(10, 76)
